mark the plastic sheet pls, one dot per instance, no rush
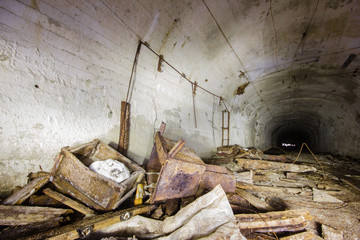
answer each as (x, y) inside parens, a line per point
(208, 217)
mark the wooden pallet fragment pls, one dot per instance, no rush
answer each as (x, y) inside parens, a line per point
(256, 202)
(24, 193)
(69, 202)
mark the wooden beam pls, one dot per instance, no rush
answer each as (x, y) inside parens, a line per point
(176, 148)
(21, 195)
(250, 164)
(84, 227)
(68, 202)
(44, 201)
(291, 220)
(304, 236)
(22, 215)
(16, 232)
(124, 128)
(256, 202)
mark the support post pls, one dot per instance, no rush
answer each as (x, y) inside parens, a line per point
(124, 128)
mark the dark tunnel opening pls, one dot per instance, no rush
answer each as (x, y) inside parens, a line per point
(290, 137)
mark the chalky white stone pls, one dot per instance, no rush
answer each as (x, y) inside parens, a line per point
(111, 169)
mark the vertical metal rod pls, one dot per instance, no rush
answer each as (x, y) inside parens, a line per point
(228, 129)
(193, 87)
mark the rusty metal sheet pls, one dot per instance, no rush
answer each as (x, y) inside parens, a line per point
(215, 175)
(72, 175)
(178, 179)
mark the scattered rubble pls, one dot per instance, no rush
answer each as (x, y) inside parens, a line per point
(241, 193)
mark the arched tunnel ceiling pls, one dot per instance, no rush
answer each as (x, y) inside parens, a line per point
(300, 58)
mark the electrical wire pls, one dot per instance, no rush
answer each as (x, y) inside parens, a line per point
(312, 155)
(183, 75)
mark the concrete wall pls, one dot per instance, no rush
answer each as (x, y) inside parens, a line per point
(65, 68)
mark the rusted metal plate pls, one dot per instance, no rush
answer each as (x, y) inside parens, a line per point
(215, 175)
(72, 175)
(178, 179)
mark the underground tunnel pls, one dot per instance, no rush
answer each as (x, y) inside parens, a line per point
(287, 72)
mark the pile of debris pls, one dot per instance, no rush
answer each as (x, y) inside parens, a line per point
(94, 192)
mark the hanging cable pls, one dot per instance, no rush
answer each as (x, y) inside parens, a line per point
(133, 68)
(304, 144)
(161, 58)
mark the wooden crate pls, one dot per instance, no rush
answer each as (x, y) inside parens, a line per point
(71, 175)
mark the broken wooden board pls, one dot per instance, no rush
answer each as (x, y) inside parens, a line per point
(330, 233)
(154, 165)
(22, 215)
(219, 160)
(44, 201)
(16, 232)
(84, 227)
(33, 175)
(289, 221)
(304, 236)
(245, 177)
(274, 190)
(23, 194)
(323, 196)
(68, 202)
(256, 202)
(279, 158)
(249, 164)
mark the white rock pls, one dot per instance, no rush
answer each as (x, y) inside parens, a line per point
(111, 169)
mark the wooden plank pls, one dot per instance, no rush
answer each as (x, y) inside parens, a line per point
(44, 201)
(23, 194)
(154, 164)
(68, 202)
(124, 128)
(84, 227)
(256, 202)
(291, 220)
(16, 232)
(32, 175)
(304, 236)
(22, 215)
(160, 148)
(274, 190)
(176, 148)
(330, 233)
(249, 164)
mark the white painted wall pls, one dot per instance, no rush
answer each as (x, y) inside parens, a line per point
(65, 67)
